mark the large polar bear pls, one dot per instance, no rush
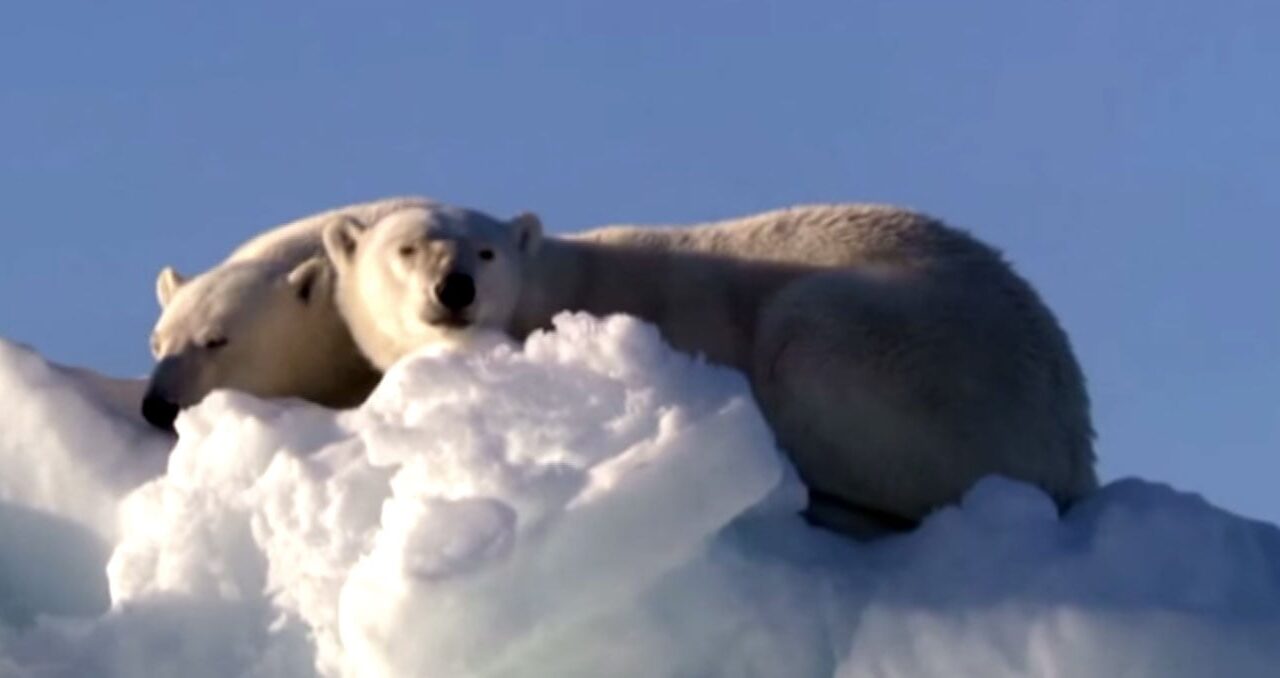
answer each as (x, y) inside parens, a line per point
(262, 321)
(898, 360)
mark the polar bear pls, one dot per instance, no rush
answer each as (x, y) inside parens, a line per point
(262, 321)
(898, 360)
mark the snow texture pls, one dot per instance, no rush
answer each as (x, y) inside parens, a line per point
(588, 504)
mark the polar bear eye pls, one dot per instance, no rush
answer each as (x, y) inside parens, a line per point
(486, 255)
(214, 343)
(407, 251)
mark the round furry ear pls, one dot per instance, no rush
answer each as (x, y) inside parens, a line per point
(340, 238)
(528, 229)
(311, 279)
(167, 284)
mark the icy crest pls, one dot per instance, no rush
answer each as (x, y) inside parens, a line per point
(591, 503)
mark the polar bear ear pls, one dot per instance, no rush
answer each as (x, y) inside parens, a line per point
(312, 279)
(167, 284)
(528, 232)
(340, 240)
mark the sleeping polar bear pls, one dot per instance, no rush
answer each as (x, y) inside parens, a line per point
(897, 360)
(263, 321)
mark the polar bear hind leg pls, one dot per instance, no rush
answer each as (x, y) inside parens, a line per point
(860, 394)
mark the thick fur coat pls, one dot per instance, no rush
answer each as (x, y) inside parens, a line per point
(897, 359)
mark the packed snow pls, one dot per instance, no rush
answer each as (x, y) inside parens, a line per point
(590, 503)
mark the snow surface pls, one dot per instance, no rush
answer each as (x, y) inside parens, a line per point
(589, 504)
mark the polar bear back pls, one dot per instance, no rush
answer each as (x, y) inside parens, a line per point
(299, 240)
(824, 235)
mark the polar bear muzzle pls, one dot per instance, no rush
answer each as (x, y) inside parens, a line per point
(159, 411)
(456, 292)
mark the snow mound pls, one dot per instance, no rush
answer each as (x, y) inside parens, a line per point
(591, 503)
(72, 442)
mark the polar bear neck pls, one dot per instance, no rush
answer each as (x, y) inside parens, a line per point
(701, 303)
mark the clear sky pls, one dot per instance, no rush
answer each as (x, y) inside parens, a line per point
(1123, 154)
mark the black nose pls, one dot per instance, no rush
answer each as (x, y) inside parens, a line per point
(159, 412)
(456, 291)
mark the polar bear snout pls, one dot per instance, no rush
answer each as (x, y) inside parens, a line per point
(456, 292)
(159, 411)
(175, 383)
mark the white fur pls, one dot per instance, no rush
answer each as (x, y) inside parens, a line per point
(387, 304)
(897, 359)
(271, 302)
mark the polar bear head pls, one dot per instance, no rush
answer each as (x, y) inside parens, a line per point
(428, 275)
(255, 326)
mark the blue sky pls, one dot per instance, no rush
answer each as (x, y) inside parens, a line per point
(1124, 155)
